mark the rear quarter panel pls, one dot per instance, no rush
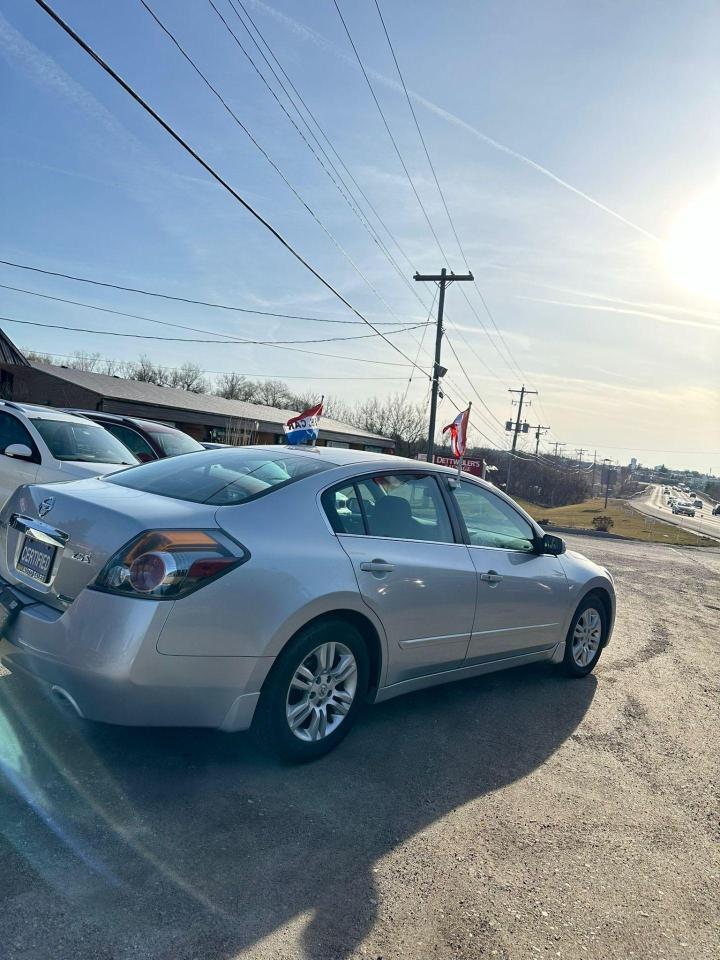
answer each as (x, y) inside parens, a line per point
(297, 571)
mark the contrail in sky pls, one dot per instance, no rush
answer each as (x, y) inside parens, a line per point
(319, 40)
(675, 321)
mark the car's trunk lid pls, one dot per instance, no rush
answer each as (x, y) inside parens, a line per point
(72, 529)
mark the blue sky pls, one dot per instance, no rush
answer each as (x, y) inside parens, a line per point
(570, 140)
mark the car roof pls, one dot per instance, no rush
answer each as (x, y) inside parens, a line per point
(344, 457)
(121, 418)
(36, 411)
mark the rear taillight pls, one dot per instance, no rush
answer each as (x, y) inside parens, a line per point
(168, 564)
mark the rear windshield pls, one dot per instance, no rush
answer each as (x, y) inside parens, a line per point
(81, 441)
(173, 444)
(221, 477)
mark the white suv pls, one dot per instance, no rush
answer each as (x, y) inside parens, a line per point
(43, 445)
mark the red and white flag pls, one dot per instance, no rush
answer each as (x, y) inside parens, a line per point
(458, 433)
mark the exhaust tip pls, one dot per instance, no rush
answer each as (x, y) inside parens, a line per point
(64, 695)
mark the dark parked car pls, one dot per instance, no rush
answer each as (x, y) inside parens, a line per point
(145, 438)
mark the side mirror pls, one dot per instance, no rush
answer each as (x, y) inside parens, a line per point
(552, 545)
(20, 450)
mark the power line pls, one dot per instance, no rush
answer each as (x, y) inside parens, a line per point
(402, 161)
(444, 201)
(389, 131)
(340, 183)
(146, 336)
(213, 173)
(472, 386)
(180, 326)
(373, 233)
(219, 373)
(198, 303)
(216, 93)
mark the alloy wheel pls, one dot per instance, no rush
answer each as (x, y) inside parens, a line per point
(321, 691)
(586, 636)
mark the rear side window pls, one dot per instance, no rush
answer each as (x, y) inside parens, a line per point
(220, 477)
(403, 506)
(174, 442)
(133, 441)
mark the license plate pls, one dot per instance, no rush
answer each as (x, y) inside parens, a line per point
(36, 559)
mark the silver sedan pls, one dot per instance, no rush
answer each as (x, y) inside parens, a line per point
(280, 588)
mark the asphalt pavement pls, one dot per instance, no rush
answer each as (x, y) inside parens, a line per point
(511, 816)
(653, 503)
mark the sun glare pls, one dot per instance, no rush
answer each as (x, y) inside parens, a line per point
(693, 245)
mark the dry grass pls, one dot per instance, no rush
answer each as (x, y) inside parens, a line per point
(627, 522)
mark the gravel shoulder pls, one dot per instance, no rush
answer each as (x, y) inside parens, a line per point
(512, 816)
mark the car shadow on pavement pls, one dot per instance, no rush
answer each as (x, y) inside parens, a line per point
(171, 844)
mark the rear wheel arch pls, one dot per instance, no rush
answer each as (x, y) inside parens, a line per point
(367, 630)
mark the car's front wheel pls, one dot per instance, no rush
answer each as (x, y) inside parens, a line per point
(586, 637)
(313, 693)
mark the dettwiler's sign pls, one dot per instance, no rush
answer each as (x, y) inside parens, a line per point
(475, 467)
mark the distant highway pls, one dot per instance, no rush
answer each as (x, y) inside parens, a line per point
(653, 503)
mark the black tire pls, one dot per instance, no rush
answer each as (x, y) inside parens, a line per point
(573, 664)
(271, 725)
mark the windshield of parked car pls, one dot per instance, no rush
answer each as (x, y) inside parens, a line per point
(221, 477)
(81, 441)
(174, 443)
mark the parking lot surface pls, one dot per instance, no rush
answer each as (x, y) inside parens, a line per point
(515, 815)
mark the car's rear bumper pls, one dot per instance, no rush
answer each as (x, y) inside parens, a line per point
(101, 656)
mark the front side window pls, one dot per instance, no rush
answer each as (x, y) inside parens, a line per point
(80, 441)
(220, 477)
(403, 506)
(490, 521)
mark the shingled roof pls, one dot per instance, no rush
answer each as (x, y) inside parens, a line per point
(150, 394)
(9, 353)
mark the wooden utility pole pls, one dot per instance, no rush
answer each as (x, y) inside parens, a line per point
(443, 279)
(539, 429)
(524, 392)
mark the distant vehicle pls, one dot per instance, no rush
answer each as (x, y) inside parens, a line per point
(147, 439)
(716, 510)
(698, 504)
(43, 445)
(684, 508)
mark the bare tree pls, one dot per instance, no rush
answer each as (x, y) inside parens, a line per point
(337, 409)
(234, 386)
(187, 377)
(394, 417)
(274, 393)
(147, 372)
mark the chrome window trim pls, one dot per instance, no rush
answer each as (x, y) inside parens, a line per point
(374, 536)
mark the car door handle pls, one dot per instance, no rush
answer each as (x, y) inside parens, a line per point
(491, 577)
(377, 566)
